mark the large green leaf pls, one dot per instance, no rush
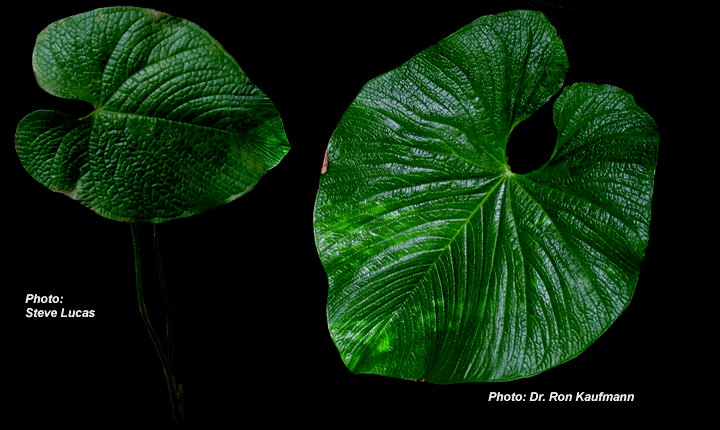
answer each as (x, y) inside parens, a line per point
(177, 129)
(445, 265)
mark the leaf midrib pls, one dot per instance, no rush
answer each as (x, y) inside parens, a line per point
(379, 329)
(100, 111)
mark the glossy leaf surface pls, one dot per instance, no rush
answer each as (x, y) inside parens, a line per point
(178, 128)
(443, 264)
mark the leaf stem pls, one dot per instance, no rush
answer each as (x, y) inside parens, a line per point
(165, 360)
(168, 325)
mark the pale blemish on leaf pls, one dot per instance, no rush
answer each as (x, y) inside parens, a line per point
(325, 163)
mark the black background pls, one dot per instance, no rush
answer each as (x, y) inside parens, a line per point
(247, 289)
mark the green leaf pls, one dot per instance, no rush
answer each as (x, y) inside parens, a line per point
(442, 263)
(177, 129)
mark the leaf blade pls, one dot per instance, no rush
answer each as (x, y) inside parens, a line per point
(163, 88)
(475, 285)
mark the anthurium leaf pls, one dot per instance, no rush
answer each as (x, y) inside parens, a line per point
(178, 128)
(442, 263)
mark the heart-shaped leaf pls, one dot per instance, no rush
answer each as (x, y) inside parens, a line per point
(442, 263)
(177, 129)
